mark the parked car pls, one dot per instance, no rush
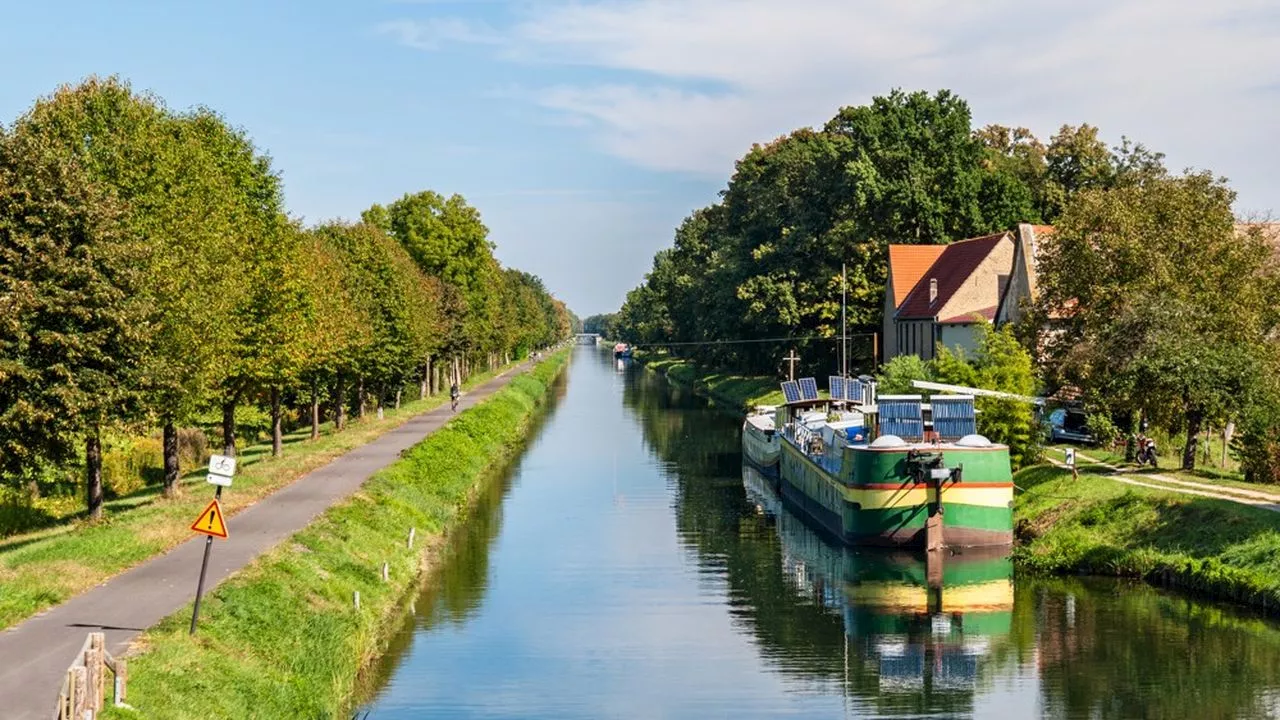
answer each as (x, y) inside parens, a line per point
(1069, 425)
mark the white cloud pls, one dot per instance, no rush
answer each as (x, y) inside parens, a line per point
(697, 81)
(434, 33)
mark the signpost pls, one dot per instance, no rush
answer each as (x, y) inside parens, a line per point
(1071, 463)
(211, 522)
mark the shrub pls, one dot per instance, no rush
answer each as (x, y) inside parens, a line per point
(193, 448)
(896, 375)
(129, 464)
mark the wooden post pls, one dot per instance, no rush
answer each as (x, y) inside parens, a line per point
(357, 599)
(411, 532)
(122, 680)
(792, 359)
(385, 572)
(78, 689)
(875, 348)
(94, 662)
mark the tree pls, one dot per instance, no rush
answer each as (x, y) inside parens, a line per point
(73, 319)
(897, 375)
(1133, 304)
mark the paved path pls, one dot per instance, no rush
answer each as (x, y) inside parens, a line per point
(34, 655)
(1244, 496)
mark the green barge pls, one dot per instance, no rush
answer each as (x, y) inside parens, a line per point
(876, 473)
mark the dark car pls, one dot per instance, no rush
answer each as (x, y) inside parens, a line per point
(1069, 425)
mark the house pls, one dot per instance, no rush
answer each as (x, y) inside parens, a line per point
(907, 264)
(1021, 288)
(960, 289)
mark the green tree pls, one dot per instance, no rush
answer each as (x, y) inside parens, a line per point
(1134, 309)
(74, 321)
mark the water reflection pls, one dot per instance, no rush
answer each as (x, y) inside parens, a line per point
(628, 566)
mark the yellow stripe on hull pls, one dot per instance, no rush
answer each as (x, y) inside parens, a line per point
(875, 499)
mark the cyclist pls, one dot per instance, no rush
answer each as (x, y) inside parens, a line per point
(454, 392)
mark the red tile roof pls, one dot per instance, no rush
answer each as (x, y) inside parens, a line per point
(967, 319)
(954, 265)
(907, 264)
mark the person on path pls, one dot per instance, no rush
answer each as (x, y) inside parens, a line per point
(454, 392)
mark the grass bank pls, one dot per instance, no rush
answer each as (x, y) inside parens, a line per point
(739, 391)
(282, 638)
(44, 568)
(1215, 548)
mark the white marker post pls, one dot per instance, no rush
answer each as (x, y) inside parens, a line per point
(221, 469)
(1071, 463)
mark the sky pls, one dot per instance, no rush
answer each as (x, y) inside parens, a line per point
(585, 130)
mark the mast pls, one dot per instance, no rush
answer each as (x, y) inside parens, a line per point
(844, 327)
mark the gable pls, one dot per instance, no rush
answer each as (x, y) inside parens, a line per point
(907, 264)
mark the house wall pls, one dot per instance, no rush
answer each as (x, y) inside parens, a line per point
(915, 337)
(1021, 279)
(888, 337)
(960, 337)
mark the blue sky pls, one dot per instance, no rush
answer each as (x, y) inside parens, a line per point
(585, 130)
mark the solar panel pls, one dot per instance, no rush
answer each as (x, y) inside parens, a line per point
(953, 416)
(901, 415)
(808, 388)
(835, 385)
(854, 388)
(791, 390)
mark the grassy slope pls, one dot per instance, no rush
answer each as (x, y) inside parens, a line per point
(1097, 526)
(44, 568)
(740, 391)
(282, 638)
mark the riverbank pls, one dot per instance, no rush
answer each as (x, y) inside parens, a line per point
(1095, 526)
(45, 568)
(285, 638)
(741, 392)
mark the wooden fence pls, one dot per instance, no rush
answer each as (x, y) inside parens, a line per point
(83, 689)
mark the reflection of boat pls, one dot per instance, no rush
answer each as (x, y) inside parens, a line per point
(761, 444)
(911, 487)
(621, 351)
(918, 626)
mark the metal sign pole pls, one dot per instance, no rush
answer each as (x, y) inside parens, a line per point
(204, 567)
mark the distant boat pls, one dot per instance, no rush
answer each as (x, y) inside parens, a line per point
(621, 351)
(761, 443)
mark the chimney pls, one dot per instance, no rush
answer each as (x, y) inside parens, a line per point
(933, 290)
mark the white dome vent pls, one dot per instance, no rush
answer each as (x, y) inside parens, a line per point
(973, 441)
(888, 441)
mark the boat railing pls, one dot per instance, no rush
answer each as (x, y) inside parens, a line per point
(830, 459)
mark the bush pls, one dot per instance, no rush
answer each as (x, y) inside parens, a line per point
(896, 376)
(130, 464)
(193, 448)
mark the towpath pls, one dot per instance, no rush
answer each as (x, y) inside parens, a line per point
(34, 654)
(1244, 496)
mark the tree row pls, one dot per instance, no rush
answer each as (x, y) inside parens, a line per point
(149, 273)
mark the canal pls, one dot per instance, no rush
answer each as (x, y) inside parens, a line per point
(627, 566)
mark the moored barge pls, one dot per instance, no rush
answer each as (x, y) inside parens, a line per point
(871, 473)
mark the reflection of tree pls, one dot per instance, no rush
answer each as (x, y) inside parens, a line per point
(1140, 652)
(454, 590)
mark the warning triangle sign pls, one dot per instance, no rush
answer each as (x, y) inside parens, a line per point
(211, 521)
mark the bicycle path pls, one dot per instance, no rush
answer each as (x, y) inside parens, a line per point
(1243, 496)
(34, 654)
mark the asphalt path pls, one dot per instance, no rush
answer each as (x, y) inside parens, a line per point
(35, 654)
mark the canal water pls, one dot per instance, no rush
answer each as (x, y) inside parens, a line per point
(628, 566)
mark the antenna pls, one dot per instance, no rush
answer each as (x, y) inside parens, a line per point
(844, 327)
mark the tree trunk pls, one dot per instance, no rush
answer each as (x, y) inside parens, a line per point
(315, 409)
(229, 428)
(382, 393)
(171, 469)
(426, 380)
(93, 471)
(339, 404)
(277, 434)
(399, 391)
(361, 400)
(1194, 420)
